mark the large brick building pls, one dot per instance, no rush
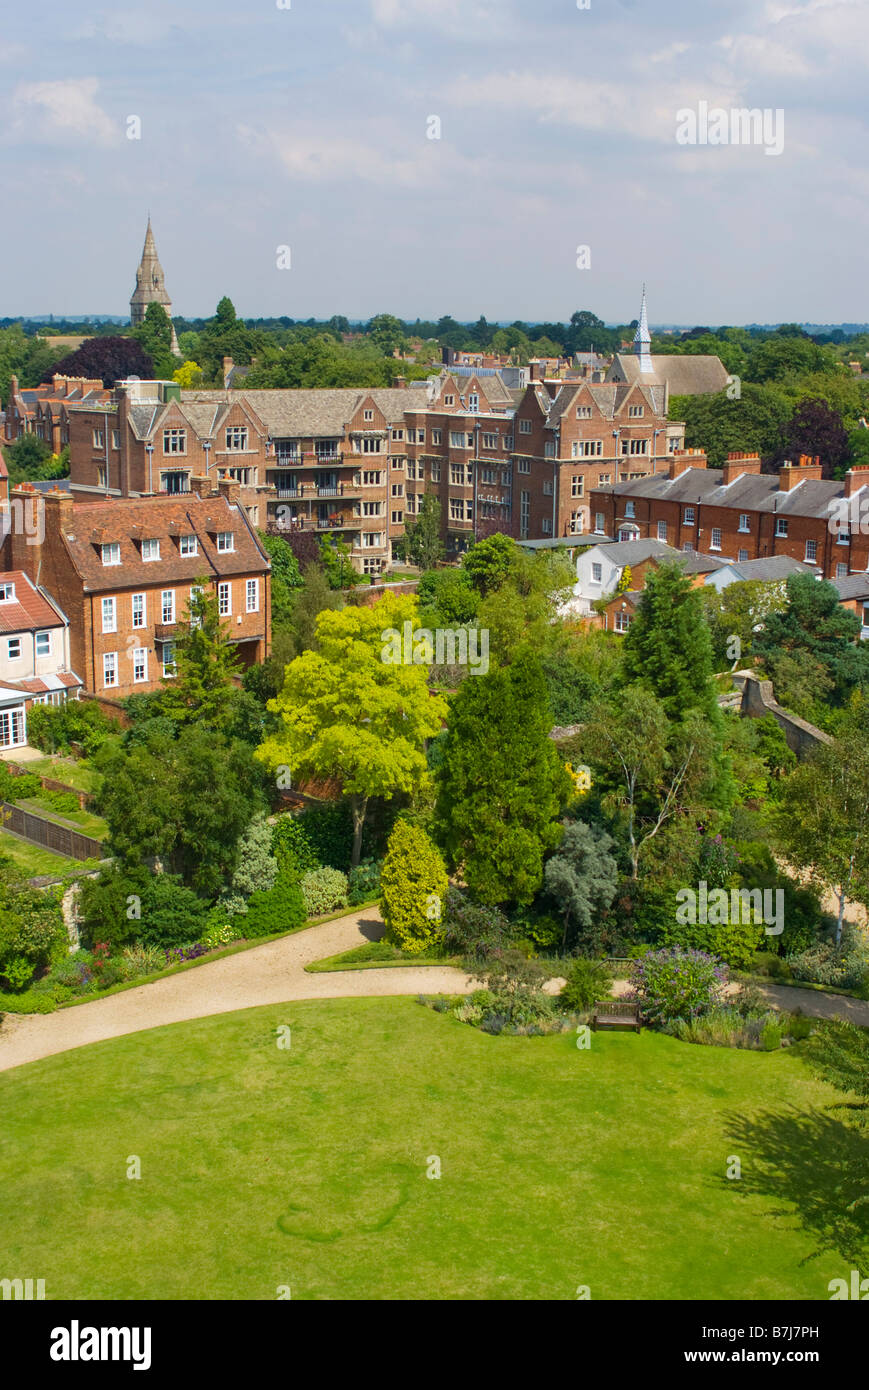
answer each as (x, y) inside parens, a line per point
(123, 573)
(740, 514)
(44, 410)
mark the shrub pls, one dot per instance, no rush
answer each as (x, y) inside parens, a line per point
(825, 963)
(673, 983)
(17, 971)
(30, 1002)
(141, 960)
(293, 848)
(724, 1026)
(324, 890)
(545, 932)
(55, 728)
(105, 902)
(472, 930)
(734, 942)
(516, 987)
(587, 981)
(220, 931)
(414, 887)
(32, 931)
(14, 788)
(799, 1027)
(172, 915)
(280, 909)
(364, 882)
(64, 803)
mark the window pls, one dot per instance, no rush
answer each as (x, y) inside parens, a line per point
(397, 518)
(397, 489)
(599, 522)
(236, 437)
(457, 439)
(635, 411)
(111, 554)
(116, 439)
(99, 439)
(13, 648)
(473, 402)
(224, 600)
(175, 482)
(622, 620)
(372, 479)
(372, 565)
(102, 477)
(524, 426)
(635, 446)
(110, 668)
(781, 526)
(187, 545)
(524, 514)
(150, 550)
(251, 596)
(576, 485)
(549, 448)
(174, 441)
(546, 526)
(456, 513)
(744, 521)
(12, 728)
(7, 593)
(368, 415)
(398, 463)
(168, 660)
(715, 543)
(488, 475)
(688, 548)
(662, 530)
(110, 618)
(596, 574)
(399, 434)
(629, 509)
(372, 508)
(586, 448)
(437, 436)
(139, 619)
(576, 523)
(225, 541)
(547, 487)
(523, 465)
(811, 551)
(372, 540)
(508, 442)
(435, 472)
(371, 446)
(167, 606)
(449, 400)
(688, 516)
(742, 557)
(43, 644)
(604, 480)
(583, 412)
(844, 537)
(841, 571)
(140, 664)
(490, 441)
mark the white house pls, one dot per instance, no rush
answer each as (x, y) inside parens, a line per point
(599, 569)
(767, 569)
(34, 649)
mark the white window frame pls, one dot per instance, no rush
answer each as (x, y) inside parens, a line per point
(251, 596)
(139, 610)
(109, 612)
(110, 668)
(224, 600)
(139, 657)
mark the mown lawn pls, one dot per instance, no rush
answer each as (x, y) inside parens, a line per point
(34, 861)
(306, 1167)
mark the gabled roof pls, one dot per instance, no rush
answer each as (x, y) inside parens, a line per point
(749, 492)
(685, 374)
(852, 586)
(770, 567)
(30, 609)
(306, 413)
(623, 553)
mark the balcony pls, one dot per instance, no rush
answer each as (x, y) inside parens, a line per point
(165, 632)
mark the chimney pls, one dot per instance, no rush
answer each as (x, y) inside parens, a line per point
(230, 489)
(200, 487)
(399, 383)
(807, 470)
(228, 365)
(856, 477)
(738, 463)
(683, 459)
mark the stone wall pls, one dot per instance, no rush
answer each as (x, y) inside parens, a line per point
(758, 700)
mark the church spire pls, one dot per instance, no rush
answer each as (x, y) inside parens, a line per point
(150, 285)
(643, 339)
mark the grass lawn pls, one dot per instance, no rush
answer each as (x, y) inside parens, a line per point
(374, 955)
(84, 821)
(72, 771)
(306, 1167)
(35, 861)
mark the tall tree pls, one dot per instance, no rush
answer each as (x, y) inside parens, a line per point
(422, 543)
(203, 689)
(351, 712)
(668, 648)
(582, 876)
(502, 784)
(815, 626)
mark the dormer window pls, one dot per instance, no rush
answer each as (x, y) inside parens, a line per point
(583, 412)
(187, 545)
(635, 411)
(7, 593)
(150, 550)
(225, 541)
(111, 554)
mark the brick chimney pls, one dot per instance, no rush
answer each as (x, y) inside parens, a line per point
(230, 489)
(683, 459)
(199, 486)
(228, 365)
(808, 470)
(399, 383)
(856, 477)
(738, 463)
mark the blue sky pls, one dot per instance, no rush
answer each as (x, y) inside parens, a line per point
(307, 127)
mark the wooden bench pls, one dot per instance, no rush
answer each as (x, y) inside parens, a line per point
(616, 1013)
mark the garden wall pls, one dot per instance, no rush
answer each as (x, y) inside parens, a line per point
(758, 700)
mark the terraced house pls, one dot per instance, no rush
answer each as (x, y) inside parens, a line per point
(123, 573)
(44, 410)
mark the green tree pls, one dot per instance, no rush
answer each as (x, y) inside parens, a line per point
(387, 332)
(815, 628)
(286, 578)
(490, 562)
(413, 885)
(751, 418)
(205, 663)
(823, 821)
(582, 876)
(668, 648)
(350, 711)
(502, 784)
(422, 544)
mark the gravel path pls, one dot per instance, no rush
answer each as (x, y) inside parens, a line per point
(274, 974)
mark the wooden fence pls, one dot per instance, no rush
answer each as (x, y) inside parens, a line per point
(61, 839)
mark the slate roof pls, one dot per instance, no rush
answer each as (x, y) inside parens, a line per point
(749, 492)
(29, 609)
(608, 396)
(634, 552)
(684, 373)
(770, 567)
(852, 586)
(132, 520)
(306, 413)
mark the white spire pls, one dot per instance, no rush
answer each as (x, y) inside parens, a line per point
(643, 338)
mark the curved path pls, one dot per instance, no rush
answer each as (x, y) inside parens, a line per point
(275, 974)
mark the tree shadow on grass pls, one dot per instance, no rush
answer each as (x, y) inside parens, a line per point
(816, 1166)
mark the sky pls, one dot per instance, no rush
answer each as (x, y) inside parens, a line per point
(429, 157)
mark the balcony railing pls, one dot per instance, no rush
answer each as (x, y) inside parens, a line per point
(315, 523)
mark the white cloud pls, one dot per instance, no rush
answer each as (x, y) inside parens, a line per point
(53, 112)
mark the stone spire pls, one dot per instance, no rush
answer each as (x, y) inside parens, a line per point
(643, 339)
(150, 285)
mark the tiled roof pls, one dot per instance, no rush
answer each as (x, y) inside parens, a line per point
(92, 524)
(608, 396)
(634, 552)
(770, 567)
(852, 586)
(686, 374)
(749, 492)
(40, 685)
(304, 413)
(29, 609)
